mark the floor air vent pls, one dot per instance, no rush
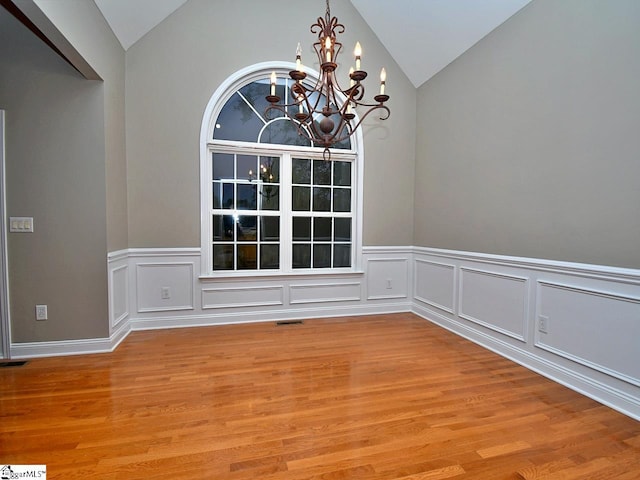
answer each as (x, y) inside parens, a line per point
(290, 322)
(12, 364)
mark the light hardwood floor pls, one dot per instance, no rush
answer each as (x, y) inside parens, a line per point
(372, 397)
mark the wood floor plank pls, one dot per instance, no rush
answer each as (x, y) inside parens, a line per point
(386, 397)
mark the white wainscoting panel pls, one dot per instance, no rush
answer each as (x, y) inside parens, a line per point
(119, 295)
(325, 292)
(494, 300)
(435, 284)
(242, 297)
(153, 277)
(387, 278)
(593, 311)
(595, 328)
(254, 298)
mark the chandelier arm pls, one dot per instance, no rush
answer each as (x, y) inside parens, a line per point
(303, 131)
(280, 107)
(375, 106)
(308, 121)
(300, 90)
(302, 86)
(317, 47)
(299, 125)
(357, 125)
(355, 93)
(327, 90)
(344, 108)
(335, 81)
(357, 87)
(310, 132)
(269, 108)
(318, 80)
(335, 138)
(314, 109)
(337, 50)
(306, 95)
(331, 90)
(329, 93)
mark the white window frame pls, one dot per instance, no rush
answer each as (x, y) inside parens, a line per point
(207, 146)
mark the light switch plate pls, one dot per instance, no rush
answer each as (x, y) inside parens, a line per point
(21, 224)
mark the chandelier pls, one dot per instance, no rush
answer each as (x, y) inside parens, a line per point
(324, 112)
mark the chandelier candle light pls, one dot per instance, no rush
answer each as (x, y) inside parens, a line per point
(318, 116)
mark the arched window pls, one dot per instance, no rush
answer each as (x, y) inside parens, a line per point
(270, 203)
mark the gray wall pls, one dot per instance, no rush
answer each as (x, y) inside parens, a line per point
(55, 162)
(171, 74)
(83, 25)
(528, 143)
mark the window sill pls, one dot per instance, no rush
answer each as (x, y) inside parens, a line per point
(280, 275)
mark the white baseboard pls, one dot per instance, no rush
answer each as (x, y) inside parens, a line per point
(70, 347)
(154, 323)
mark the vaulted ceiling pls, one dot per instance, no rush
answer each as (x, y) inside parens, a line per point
(423, 36)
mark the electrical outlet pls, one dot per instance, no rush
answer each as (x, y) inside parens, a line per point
(389, 284)
(543, 324)
(165, 293)
(41, 312)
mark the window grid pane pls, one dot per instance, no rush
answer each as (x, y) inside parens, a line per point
(321, 205)
(246, 212)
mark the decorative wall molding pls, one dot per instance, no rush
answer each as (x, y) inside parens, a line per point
(435, 284)
(325, 292)
(118, 295)
(118, 290)
(254, 298)
(590, 315)
(388, 250)
(494, 300)
(163, 252)
(176, 277)
(592, 312)
(117, 256)
(607, 324)
(387, 277)
(242, 297)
